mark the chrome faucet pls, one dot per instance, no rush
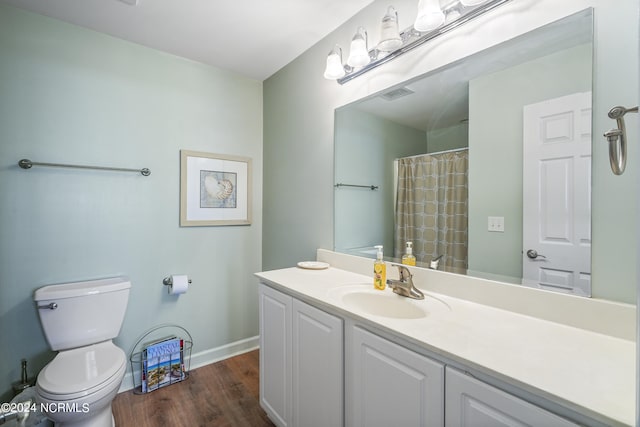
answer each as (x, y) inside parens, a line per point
(404, 286)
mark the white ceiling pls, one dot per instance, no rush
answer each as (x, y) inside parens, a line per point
(252, 37)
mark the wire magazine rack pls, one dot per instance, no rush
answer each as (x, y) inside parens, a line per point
(160, 357)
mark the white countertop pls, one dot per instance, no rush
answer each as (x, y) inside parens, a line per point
(588, 372)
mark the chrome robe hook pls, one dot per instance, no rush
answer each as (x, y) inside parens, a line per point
(617, 139)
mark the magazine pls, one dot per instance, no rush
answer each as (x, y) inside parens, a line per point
(143, 386)
(163, 364)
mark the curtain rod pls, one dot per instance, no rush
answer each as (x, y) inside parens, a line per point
(435, 152)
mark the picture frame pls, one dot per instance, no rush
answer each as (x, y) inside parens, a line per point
(215, 189)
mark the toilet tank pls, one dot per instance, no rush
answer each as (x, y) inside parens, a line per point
(82, 313)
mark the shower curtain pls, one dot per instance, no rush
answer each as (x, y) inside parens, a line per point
(431, 207)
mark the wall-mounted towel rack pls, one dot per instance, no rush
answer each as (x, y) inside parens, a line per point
(28, 164)
(371, 187)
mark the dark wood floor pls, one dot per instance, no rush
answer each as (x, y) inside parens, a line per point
(221, 394)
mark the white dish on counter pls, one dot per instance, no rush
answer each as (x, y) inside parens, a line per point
(313, 265)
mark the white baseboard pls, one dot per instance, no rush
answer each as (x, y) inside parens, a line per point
(203, 358)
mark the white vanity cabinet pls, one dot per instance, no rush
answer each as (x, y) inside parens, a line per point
(389, 385)
(473, 403)
(327, 368)
(301, 362)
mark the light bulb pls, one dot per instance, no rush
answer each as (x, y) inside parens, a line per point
(430, 16)
(389, 32)
(334, 69)
(359, 53)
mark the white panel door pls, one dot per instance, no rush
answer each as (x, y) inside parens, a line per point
(393, 386)
(472, 403)
(317, 367)
(557, 194)
(275, 355)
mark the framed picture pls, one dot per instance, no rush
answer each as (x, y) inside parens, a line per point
(214, 189)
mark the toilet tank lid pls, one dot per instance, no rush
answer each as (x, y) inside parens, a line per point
(84, 288)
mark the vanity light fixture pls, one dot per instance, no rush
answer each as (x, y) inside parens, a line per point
(432, 20)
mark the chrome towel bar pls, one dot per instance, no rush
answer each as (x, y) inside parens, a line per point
(371, 187)
(28, 164)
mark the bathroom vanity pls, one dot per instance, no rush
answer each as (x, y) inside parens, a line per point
(334, 351)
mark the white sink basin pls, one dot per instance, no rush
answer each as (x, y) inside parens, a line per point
(365, 299)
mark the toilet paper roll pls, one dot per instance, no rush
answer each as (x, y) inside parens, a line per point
(180, 284)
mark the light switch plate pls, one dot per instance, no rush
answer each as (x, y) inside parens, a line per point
(496, 223)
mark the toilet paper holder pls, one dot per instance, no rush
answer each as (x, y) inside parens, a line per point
(168, 281)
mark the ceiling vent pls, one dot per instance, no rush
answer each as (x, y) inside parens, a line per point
(396, 93)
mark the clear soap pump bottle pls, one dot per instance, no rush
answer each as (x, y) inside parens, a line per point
(408, 258)
(379, 271)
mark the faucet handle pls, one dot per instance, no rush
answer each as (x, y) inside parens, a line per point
(435, 262)
(405, 274)
(405, 286)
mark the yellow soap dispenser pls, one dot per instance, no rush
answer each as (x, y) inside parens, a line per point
(379, 271)
(408, 258)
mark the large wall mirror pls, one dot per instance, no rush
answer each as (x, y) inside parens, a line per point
(484, 164)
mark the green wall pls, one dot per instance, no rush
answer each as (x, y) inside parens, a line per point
(70, 95)
(449, 138)
(495, 158)
(365, 148)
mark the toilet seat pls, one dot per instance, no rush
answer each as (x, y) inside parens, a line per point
(82, 371)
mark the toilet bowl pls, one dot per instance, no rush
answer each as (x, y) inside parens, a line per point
(79, 320)
(71, 396)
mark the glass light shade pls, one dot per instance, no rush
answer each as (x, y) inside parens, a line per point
(430, 16)
(452, 15)
(359, 53)
(472, 2)
(389, 32)
(334, 69)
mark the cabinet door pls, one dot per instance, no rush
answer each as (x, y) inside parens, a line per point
(393, 386)
(317, 367)
(472, 403)
(275, 354)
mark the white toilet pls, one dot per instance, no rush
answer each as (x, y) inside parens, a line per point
(79, 321)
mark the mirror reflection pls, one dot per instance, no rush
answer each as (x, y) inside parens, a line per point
(483, 165)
